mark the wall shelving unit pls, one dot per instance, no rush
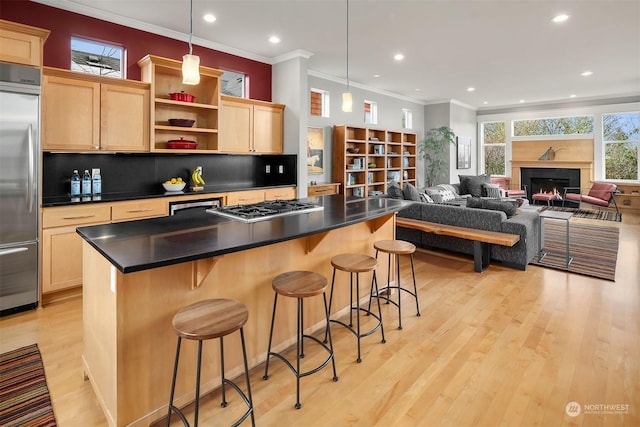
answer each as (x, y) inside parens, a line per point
(382, 156)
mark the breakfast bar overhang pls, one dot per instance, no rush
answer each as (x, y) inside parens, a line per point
(138, 274)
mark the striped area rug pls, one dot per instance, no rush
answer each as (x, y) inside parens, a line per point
(606, 215)
(24, 395)
(594, 248)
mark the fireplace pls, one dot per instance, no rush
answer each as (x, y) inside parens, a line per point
(549, 180)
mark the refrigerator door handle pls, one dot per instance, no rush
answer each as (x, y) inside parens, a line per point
(32, 170)
(12, 251)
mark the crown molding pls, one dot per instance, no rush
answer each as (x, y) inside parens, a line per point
(154, 29)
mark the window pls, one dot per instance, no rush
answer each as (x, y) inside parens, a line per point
(407, 119)
(494, 144)
(621, 138)
(92, 57)
(232, 84)
(370, 112)
(554, 126)
(319, 100)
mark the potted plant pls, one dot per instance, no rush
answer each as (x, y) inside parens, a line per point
(433, 149)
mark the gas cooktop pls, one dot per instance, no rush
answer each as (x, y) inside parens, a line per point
(265, 210)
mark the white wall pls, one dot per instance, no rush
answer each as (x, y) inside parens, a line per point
(389, 115)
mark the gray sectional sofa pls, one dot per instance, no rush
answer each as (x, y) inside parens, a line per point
(525, 223)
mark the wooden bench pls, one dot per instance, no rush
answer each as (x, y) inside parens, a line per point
(482, 239)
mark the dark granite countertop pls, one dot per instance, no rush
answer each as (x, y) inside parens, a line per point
(157, 242)
(48, 202)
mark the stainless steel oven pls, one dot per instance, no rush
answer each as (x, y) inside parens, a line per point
(203, 204)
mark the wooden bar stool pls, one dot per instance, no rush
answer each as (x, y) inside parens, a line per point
(205, 320)
(355, 264)
(300, 285)
(397, 248)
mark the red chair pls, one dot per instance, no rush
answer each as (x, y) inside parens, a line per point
(601, 195)
(504, 185)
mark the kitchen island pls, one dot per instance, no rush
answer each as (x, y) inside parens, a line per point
(138, 274)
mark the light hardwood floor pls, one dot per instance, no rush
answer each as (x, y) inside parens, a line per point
(500, 348)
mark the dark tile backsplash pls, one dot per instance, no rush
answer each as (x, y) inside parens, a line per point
(144, 172)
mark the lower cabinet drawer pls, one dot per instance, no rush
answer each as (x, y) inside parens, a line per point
(125, 211)
(75, 215)
(280, 193)
(245, 197)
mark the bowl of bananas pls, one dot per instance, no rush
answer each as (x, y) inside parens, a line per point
(174, 184)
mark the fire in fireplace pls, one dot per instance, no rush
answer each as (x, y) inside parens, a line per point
(551, 186)
(549, 180)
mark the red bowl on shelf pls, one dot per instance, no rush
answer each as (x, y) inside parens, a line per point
(181, 96)
(181, 143)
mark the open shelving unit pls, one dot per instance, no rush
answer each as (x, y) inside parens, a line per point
(382, 156)
(165, 76)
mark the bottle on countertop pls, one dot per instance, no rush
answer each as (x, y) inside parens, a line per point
(96, 182)
(75, 184)
(86, 183)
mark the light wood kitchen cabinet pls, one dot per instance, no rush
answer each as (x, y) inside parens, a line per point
(165, 77)
(284, 193)
(139, 209)
(62, 246)
(250, 126)
(82, 112)
(21, 44)
(245, 197)
(323, 189)
(628, 198)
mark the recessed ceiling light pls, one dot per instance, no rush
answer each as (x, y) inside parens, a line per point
(274, 39)
(376, 75)
(560, 18)
(417, 90)
(586, 73)
(471, 89)
(398, 57)
(573, 95)
(209, 17)
(485, 102)
(521, 101)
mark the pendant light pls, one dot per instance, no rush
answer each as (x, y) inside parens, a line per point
(190, 62)
(347, 98)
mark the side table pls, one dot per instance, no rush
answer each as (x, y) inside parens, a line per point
(549, 214)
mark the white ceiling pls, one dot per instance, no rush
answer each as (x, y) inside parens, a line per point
(509, 50)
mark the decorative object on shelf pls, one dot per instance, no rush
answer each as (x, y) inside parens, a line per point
(353, 150)
(185, 123)
(464, 152)
(405, 175)
(315, 150)
(181, 143)
(378, 149)
(550, 154)
(432, 149)
(347, 98)
(182, 96)
(190, 62)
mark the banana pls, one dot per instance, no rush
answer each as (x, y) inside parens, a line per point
(196, 176)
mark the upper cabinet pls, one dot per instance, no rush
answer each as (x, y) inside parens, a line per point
(250, 126)
(165, 76)
(83, 112)
(21, 44)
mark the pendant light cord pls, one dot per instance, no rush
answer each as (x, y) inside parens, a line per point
(347, 45)
(191, 28)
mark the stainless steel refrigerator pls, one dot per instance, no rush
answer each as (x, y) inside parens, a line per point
(19, 200)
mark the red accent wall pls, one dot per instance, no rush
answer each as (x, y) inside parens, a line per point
(64, 24)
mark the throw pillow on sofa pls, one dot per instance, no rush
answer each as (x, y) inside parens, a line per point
(472, 184)
(394, 191)
(492, 190)
(410, 192)
(508, 207)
